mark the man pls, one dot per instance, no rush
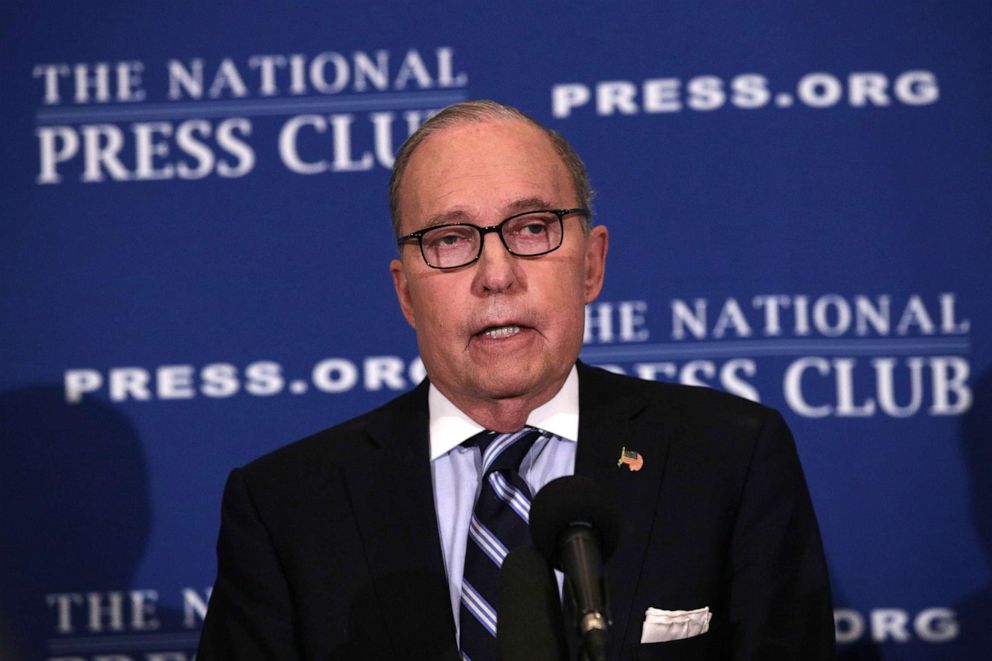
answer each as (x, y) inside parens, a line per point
(360, 542)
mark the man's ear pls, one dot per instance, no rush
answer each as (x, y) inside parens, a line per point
(402, 290)
(597, 244)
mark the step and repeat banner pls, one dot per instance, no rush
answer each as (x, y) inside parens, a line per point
(195, 238)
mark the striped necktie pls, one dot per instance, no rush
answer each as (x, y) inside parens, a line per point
(499, 525)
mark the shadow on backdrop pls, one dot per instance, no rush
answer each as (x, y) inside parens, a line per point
(974, 614)
(76, 514)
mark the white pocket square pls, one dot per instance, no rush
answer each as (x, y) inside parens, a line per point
(661, 625)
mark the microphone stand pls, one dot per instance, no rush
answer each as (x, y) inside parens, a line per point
(586, 600)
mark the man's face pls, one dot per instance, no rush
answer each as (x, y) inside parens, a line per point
(503, 327)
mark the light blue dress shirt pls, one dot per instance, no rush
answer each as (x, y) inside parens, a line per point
(456, 469)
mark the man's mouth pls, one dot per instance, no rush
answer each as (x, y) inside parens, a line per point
(500, 332)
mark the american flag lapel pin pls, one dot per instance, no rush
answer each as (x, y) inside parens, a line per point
(632, 458)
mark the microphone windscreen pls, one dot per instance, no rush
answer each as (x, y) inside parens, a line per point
(573, 500)
(530, 625)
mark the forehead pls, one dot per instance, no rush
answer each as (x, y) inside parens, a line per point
(481, 170)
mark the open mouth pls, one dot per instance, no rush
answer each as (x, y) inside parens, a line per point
(500, 332)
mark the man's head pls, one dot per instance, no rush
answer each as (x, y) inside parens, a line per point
(497, 336)
(479, 111)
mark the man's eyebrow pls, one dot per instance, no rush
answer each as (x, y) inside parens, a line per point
(453, 216)
(528, 204)
(517, 206)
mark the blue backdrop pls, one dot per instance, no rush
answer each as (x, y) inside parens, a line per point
(194, 236)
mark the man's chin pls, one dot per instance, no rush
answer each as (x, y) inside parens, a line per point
(500, 388)
(532, 379)
(505, 384)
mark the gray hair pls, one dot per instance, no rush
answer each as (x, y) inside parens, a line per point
(480, 111)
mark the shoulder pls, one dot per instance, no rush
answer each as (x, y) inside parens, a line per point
(695, 407)
(326, 451)
(721, 440)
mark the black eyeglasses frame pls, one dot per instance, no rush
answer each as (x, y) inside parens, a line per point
(498, 229)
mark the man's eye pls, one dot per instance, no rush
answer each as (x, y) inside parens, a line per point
(447, 239)
(530, 227)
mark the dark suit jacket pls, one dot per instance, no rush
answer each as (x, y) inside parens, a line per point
(329, 547)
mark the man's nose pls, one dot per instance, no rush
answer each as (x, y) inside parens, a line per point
(497, 269)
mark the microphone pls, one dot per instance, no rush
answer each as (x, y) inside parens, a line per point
(576, 526)
(530, 626)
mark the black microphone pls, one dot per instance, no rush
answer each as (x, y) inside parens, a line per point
(576, 525)
(529, 627)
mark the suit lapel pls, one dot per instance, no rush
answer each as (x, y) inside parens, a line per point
(392, 496)
(612, 416)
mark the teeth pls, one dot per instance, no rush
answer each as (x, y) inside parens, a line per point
(502, 331)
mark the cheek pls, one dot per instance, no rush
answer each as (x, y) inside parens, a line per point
(568, 306)
(436, 313)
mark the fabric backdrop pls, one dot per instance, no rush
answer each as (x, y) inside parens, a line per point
(194, 236)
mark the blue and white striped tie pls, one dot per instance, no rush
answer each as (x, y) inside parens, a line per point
(499, 525)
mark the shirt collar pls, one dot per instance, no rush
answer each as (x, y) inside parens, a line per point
(450, 427)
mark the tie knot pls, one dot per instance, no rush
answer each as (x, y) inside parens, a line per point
(504, 452)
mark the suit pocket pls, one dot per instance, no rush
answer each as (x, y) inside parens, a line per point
(696, 648)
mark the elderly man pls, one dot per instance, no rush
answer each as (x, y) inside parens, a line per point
(381, 538)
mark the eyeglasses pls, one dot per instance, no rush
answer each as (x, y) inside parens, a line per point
(527, 234)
